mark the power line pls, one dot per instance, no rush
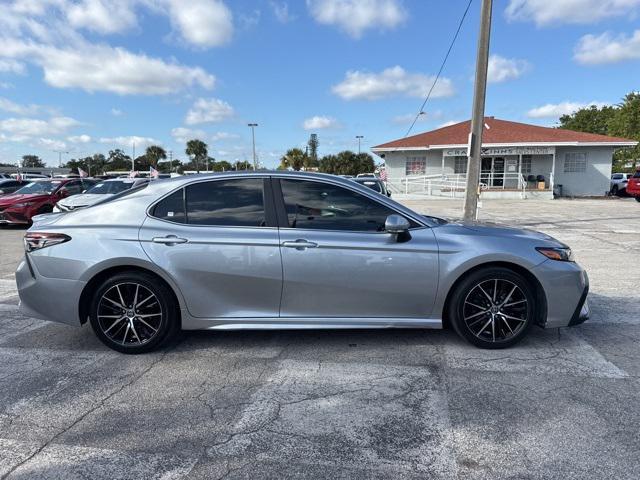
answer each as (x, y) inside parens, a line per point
(444, 61)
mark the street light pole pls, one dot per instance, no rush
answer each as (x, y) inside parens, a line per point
(253, 138)
(60, 152)
(477, 120)
(359, 137)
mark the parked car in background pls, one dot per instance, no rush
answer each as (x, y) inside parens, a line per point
(619, 182)
(10, 185)
(633, 186)
(29, 176)
(38, 197)
(99, 191)
(4, 175)
(374, 184)
(362, 175)
(267, 250)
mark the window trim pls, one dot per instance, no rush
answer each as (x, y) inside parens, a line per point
(267, 194)
(283, 220)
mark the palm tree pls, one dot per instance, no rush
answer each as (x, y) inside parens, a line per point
(294, 158)
(154, 154)
(197, 150)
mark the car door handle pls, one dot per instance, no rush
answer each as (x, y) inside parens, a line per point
(299, 244)
(169, 240)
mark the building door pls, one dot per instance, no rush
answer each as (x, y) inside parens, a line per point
(485, 171)
(498, 172)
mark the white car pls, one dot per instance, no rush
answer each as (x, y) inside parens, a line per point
(619, 183)
(99, 191)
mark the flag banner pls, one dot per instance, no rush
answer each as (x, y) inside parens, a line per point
(153, 173)
(82, 173)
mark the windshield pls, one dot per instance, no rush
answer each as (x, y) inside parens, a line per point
(39, 188)
(123, 193)
(371, 184)
(109, 188)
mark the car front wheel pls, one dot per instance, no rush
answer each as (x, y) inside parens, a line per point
(493, 308)
(133, 313)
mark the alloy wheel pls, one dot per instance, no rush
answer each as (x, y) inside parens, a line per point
(495, 310)
(129, 314)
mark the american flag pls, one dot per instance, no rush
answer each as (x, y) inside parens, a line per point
(153, 173)
(133, 174)
(383, 174)
(82, 173)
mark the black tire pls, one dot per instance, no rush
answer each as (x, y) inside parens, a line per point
(637, 199)
(614, 191)
(141, 328)
(473, 308)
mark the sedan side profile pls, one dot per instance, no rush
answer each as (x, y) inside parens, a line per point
(288, 250)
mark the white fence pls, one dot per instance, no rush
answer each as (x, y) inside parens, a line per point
(454, 185)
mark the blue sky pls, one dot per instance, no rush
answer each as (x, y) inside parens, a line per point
(89, 76)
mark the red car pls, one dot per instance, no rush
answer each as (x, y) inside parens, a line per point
(38, 197)
(633, 187)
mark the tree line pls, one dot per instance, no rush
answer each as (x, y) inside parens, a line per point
(621, 120)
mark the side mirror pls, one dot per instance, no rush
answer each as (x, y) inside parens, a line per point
(63, 192)
(396, 224)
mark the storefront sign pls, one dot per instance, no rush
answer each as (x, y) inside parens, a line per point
(498, 151)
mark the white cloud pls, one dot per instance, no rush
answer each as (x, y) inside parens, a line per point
(448, 123)
(219, 136)
(502, 69)
(182, 134)
(52, 144)
(9, 65)
(105, 68)
(604, 48)
(31, 127)
(102, 17)
(390, 82)
(116, 112)
(555, 110)
(281, 11)
(318, 122)
(79, 138)
(208, 110)
(203, 23)
(130, 141)
(12, 107)
(356, 16)
(545, 12)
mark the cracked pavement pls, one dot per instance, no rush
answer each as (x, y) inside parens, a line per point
(341, 404)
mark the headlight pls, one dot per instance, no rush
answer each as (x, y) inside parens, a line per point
(24, 204)
(562, 254)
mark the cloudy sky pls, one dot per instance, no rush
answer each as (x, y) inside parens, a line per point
(87, 76)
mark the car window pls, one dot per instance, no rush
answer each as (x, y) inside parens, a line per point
(637, 174)
(372, 184)
(322, 206)
(617, 176)
(237, 203)
(104, 188)
(171, 208)
(73, 187)
(40, 187)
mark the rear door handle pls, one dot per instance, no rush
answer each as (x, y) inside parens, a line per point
(169, 240)
(299, 244)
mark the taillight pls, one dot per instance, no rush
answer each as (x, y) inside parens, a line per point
(37, 240)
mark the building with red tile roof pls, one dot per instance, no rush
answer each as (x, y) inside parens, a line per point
(517, 157)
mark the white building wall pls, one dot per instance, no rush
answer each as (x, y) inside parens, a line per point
(594, 181)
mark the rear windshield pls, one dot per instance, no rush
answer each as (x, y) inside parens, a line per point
(637, 174)
(372, 184)
(124, 193)
(112, 188)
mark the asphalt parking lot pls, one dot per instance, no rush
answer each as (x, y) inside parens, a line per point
(348, 404)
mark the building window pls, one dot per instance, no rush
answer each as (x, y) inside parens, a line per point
(459, 164)
(416, 165)
(575, 162)
(526, 164)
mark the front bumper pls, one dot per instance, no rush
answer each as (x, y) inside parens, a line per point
(53, 299)
(566, 286)
(8, 217)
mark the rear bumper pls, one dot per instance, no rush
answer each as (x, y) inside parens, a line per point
(53, 299)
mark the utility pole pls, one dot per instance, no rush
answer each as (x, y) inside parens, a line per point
(477, 120)
(359, 137)
(133, 158)
(253, 137)
(171, 160)
(60, 152)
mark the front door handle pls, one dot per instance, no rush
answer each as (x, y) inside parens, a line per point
(169, 240)
(299, 244)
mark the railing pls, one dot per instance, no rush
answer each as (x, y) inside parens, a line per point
(454, 185)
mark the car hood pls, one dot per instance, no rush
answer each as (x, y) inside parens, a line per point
(10, 199)
(84, 199)
(496, 230)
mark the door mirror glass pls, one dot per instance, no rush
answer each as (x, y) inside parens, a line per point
(396, 224)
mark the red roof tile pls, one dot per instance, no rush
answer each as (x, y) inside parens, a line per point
(500, 132)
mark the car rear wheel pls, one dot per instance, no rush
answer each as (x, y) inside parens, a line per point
(637, 199)
(133, 313)
(493, 308)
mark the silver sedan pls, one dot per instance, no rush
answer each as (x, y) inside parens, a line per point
(288, 251)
